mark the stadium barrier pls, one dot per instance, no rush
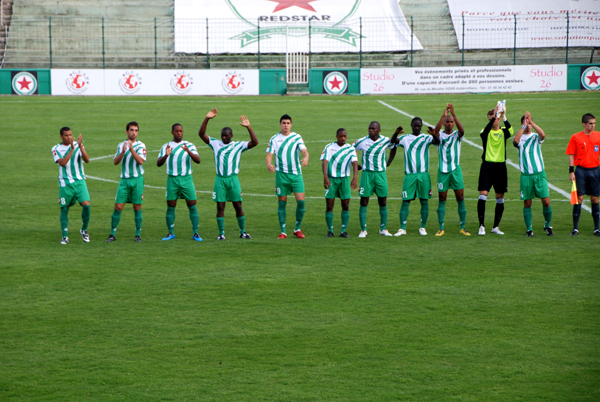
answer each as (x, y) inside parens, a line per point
(113, 82)
(85, 42)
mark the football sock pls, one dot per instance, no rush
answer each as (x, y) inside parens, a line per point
(441, 212)
(137, 218)
(85, 216)
(462, 213)
(64, 221)
(281, 215)
(242, 223)
(299, 214)
(362, 216)
(345, 220)
(116, 217)
(424, 212)
(499, 211)
(383, 217)
(329, 220)
(576, 213)
(547, 211)
(195, 218)
(481, 209)
(527, 215)
(596, 215)
(221, 225)
(404, 209)
(171, 219)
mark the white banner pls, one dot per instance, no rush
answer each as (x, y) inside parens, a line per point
(245, 26)
(154, 82)
(491, 24)
(463, 79)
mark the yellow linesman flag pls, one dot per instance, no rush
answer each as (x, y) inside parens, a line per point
(574, 198)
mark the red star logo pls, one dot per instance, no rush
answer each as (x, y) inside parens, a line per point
(335, 83)
(24, 84)
(593, 78)
(283, 4)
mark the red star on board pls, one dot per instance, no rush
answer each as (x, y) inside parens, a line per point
(335, 83)
(283, 4)
(24, 84)
(593, 78)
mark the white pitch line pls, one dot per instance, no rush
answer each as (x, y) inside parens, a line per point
(508, 161)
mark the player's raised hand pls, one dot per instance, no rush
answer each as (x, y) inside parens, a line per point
(399, 130)
(125, 146)
(212, 114)
(244, 121)
(168, 150)
(185, 148)
(430, 130)
(130, 144)
(450, 108)
(79, 140)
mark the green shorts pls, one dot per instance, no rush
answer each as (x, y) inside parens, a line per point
(180, 187)
(130, 191)
(373, 182)
(534, 186)
(340, 187)
(416, 185)
(287, 183)
(227, 189)
(452, 180)
(73, 193)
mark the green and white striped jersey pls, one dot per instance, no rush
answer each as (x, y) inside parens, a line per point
(129, 167)
(73, 171)
(374, 157)
(179, 162)
(287, 152)
(339, 159)
(227, 156)
(530, 154)
(449, 151)
(416, 152)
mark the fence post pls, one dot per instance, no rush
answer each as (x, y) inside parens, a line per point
(411, 40)
(103, 50)
(309, 44)
(155, 49)
(50, 38)
(360, 39)
(567, 56)
(462, 63)
(258, 43)
(515, 45)
(207, 55)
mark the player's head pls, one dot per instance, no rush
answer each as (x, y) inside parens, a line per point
(589, 122)
(177, 131)
(66, 134)
(132, 130)
(285, 123)
(416, 124)
(226, 134)
(341, 136)
(374, 129)
(449, 123)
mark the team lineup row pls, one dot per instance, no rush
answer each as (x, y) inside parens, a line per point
(339, 163)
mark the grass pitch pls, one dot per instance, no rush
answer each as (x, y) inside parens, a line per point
(417, 318)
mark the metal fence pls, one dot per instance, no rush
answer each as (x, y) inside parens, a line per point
(81, 42)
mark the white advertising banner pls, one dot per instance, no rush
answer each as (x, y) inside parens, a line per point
(491, 24)
(154, 82)
(245, 26)
(463, 79)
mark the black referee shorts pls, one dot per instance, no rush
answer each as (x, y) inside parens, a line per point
(588, 181)
(493, 174)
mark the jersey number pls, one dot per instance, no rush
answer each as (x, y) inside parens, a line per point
(361, 191)
(440, 186)
(404, 194)
(214, 195)
(62, 201)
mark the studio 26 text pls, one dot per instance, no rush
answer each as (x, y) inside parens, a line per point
(377, 80)
(545, 76)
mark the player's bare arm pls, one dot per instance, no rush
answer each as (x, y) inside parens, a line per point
(161, 161)
(268, 159)
(117, 159)
(84, 154)
(63, 161)
(244, 122)
(459, 126)
(326, 182)
(440, 123)
(392, 156)
(202, 133)
(195, 157)
(537, 128)
(394, 139)
(304, 159)
(353, 183)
